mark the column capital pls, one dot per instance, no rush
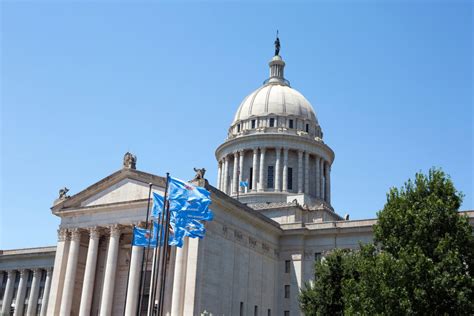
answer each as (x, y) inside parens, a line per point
(241, 151)
(300, 152)
(75, 234)
(255, 150)
(262, 150)
(115, 230)
(235, 152)
(11, 273)
(22, 272)
(94, 232)
(36, 271)
(62, 234)
(49, 270)
(278, 149)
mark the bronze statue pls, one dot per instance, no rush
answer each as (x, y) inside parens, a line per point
(129, 161)
(63, 193)
(199, 173)
(277, 46)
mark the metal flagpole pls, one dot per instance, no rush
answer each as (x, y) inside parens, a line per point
(163, 262)
(144, 258)
(157, 252)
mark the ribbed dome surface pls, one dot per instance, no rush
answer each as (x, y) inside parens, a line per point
(278, 99)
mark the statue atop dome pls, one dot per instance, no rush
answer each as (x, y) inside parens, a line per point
(277, 45)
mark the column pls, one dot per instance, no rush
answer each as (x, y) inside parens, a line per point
(261, 180)
(110, 269)
(47, 286)
(235, 174)
(57, 280)
(285, 170)
(131, 303)
(277, 170)
(20, 293)
(219, 174)
(89, 273)
(321, 178)
(254, 170)
(241, 168)
(33, 299)
(300, 171)
(318, 176)
(179, 283)
(70, 277)
(226, 175)
(328, 182)
(306, 172)
(7, 296)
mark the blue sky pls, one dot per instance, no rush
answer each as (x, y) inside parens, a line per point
(84, 82)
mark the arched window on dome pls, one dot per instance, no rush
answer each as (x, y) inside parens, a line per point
(238, 128)
(272, 122)
(290, 124)
(253, 123)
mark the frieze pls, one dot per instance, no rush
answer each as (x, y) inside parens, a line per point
(252, 242)
(238, 235)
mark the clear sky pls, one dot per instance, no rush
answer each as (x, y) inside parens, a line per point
(86, 81)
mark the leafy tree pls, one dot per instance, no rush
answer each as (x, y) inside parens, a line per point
(422, 262)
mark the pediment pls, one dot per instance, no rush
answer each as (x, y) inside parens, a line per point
(122, 191)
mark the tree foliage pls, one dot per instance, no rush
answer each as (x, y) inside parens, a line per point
(422, 261)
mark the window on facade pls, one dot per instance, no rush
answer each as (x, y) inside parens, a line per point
(270, 177)
(251, 179)
(287, 291)
(307, 128)
(269, 312)
(241, 308)
(290, 179)
(290, 123)
(272, 122)
(253, 123)
(287, 313)
(317, 256)
(287, 266)
(255, 310)
(238, 128)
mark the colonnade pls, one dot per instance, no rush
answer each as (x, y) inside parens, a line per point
(65, 272)
(20, 297)
(230, 183)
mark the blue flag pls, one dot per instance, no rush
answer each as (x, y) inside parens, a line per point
(143, 237)
(244, 184)
(189, 201)
(158, 202)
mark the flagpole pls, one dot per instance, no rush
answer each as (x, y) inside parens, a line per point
(159, 238)
(144, 258)
(163, 262)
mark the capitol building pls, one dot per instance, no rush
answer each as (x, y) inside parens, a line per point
(259, 249)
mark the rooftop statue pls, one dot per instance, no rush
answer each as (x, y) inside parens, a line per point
(63, 193)
(199, 173)
(277, 46)
(129, 161)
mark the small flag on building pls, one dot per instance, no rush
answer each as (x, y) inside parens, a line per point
(244, 184)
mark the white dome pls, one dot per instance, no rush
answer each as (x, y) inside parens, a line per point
(277, 99)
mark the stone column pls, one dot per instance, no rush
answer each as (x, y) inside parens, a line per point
(300, 171)
(235, 174)
(254, 170)
(47, 286)
(219, 174)
(131, 303)
(318, 176)
(8, 294)
(57, 280)
(179, 283)
(226, 174)
(89, 273)
(285, 170)
(241, 168)
(328, 182)
(20, 293)
(306, 172)
(277, 170)
(110, 269)
(33, 299)
(261, 180)
(321, 178)
(71, 269)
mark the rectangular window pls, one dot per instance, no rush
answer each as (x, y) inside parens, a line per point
(241, 308)
(253, 123)
(290, 123)
(307, 128)
(287, 313)
(287, 266)
(255, 310)
(238, 128)
(251, 179)
(290, 179)
(317, 256)
(272, 122)
(269, 312)
(270, 177)
(287, 291)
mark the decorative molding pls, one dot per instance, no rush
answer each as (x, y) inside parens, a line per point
(252, 242)
(94, 232)
(75, 234)
(238, 235)
(115, 230)
(62, 234)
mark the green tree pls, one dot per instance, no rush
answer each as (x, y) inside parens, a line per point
(421, 263)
